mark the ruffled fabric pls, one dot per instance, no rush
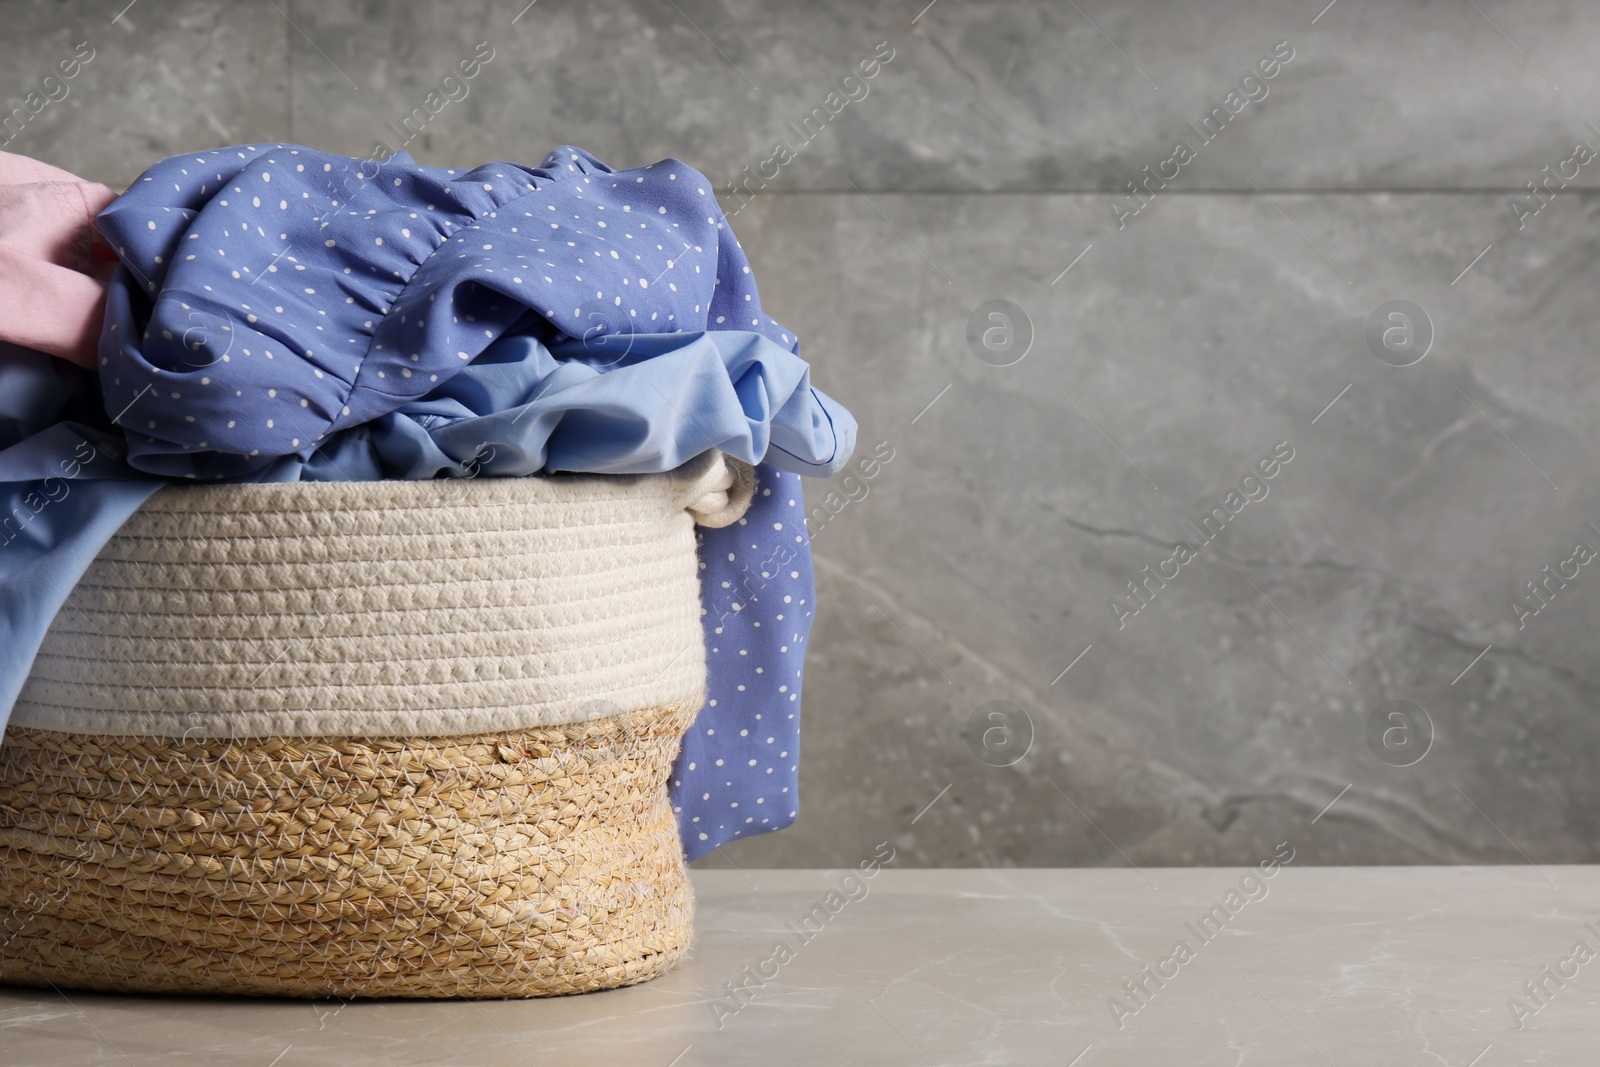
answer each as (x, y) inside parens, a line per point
(522, 408)
(298, 293)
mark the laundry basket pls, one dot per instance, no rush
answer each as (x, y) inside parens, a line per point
(399, 738)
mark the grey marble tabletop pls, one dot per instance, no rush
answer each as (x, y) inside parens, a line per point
(1458, 966)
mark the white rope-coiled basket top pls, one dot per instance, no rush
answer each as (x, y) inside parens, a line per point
(391, 608)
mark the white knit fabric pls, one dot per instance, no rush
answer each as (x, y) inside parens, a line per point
(388, 608)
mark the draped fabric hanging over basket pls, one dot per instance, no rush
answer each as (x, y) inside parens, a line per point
(398, 738)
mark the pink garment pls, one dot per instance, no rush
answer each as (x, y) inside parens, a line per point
(53, 270)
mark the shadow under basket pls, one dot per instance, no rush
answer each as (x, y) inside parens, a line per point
(386, 739)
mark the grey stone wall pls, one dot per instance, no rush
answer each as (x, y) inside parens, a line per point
(1152, 359)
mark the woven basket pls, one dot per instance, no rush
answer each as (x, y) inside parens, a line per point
(365, 739)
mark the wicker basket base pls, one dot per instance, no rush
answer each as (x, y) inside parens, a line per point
(530, 863)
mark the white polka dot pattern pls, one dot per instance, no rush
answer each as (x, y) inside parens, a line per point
(738, 774)
(340, 297)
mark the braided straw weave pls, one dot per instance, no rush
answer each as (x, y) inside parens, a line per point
(293, 740)
(532, 863)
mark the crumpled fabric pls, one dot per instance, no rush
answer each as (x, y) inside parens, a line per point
(522, 408)
(53, 270)
(296, 293)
